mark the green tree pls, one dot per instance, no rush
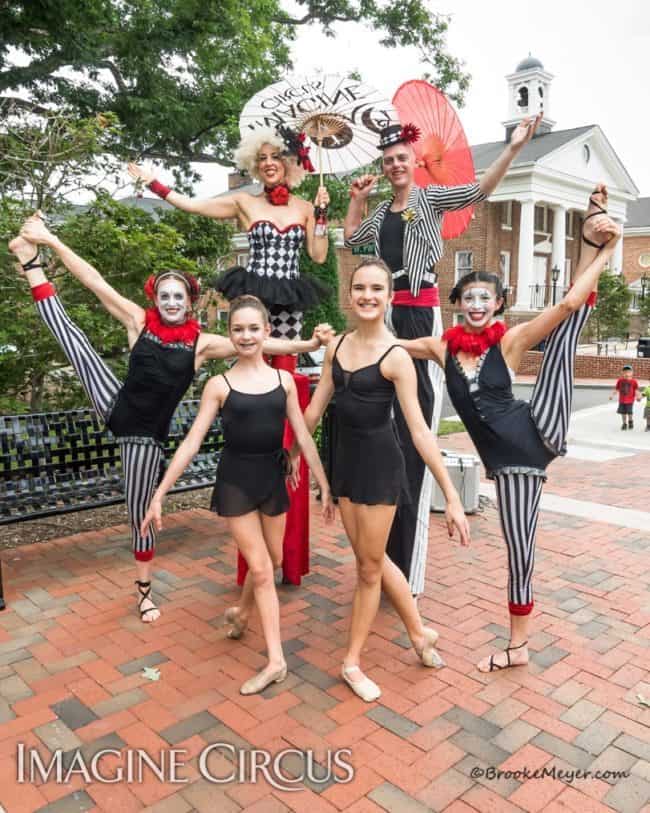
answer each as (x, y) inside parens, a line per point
(177, 72)
(327, 273)
(44, 159)
(611, 316)
(126, 245)
(644, 312)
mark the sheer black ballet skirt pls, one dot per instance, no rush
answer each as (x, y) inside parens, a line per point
(253, 465)
(272, 273)
(369, 465)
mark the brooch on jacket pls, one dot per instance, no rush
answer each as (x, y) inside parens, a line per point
(408, 215)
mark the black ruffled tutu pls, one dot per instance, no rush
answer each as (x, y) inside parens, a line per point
(297, 294)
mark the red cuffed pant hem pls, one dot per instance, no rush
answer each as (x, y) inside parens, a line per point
(520, 609)
(144, 555)
(43, 291)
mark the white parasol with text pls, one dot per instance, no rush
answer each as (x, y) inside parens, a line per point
(341, 116)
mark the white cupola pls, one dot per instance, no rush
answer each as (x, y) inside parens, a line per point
(528, 94)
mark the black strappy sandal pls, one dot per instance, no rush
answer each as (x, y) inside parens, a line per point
(600, 211)
(144, 588)
(508, 650)
(35, 262)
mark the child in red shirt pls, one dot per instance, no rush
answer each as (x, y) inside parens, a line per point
(628, 390)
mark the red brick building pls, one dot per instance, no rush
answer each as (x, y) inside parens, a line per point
(636, 257)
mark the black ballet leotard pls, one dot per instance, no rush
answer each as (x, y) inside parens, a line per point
(369, 464)
(158, 376)
(251, 471)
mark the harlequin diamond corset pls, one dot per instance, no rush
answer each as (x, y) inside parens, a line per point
(273, 270)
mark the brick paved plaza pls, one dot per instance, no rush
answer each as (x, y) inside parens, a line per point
(72, 651)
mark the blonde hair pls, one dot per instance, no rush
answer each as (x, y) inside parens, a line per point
(248, 150)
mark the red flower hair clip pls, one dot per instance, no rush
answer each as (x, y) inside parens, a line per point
(303, 154)
(150, 287)
(410, 133)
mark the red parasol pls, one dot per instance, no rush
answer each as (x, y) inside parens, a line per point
(442, 145)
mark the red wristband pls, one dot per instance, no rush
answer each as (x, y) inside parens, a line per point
(43, 291)
(159, 189)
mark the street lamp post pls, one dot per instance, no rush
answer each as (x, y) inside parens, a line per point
(644, 285)
(555, 276)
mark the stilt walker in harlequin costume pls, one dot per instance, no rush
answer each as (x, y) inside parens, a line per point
(167, 347)
(278, 224)
(406, 234)
(517, 439)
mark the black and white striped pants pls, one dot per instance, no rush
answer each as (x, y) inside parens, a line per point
(518, 494)
(141, 457)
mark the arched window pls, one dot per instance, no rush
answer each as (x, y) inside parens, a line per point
(523, 98)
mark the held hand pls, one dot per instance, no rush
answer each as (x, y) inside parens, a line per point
(329, 513)
(361, 187)
(324, 333)
(524, 131)
(322, 198)
(35, 231)
(141, 173)
(154, 514)
(608, 229)
(455, 517)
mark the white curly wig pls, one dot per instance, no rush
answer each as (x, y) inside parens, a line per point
(248, 150)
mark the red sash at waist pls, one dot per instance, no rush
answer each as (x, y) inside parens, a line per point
(427, 298)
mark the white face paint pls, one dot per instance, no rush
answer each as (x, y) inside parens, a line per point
(172, 301)
(478, 304)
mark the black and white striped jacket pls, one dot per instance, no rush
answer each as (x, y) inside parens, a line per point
(422, 239)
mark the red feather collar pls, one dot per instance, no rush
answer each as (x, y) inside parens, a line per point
(168, 334)
(460, 340)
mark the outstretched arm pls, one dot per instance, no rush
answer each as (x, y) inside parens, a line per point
(430, 348)
(399, 369)
(524, 336)
(323, 393)
(214, 346)
(221, 208)
(128, 313)
(521, 135)
(208, 409)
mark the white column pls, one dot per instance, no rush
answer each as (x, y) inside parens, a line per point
(525, 257)
(616, 263)
(558, 256)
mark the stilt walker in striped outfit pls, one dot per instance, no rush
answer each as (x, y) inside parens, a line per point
(517, 439)
(167, 347)
(406, 234)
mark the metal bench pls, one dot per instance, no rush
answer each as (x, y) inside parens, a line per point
(56, 462)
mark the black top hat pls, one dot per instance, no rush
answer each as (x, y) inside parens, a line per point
(397, 134)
